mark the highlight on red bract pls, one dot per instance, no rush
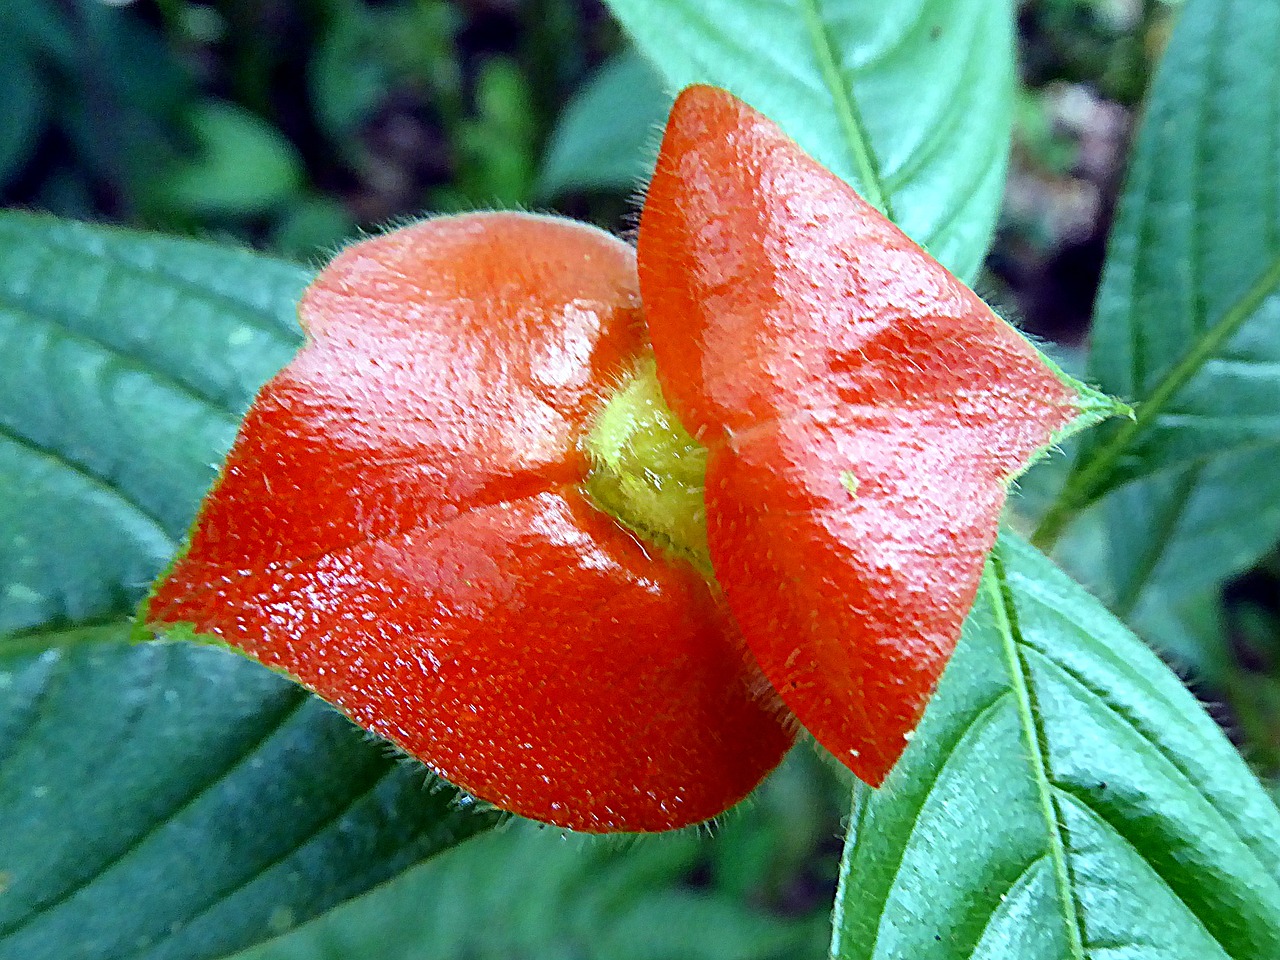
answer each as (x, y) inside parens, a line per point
(587, 536)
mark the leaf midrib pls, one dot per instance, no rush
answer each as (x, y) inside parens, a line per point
(846, 107)
(1088, 484)
(111, 629)
(996, 583)
(1204, 349)
(1088, 809)
(1175, 771)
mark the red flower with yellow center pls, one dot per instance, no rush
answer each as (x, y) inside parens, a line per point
(586, 529)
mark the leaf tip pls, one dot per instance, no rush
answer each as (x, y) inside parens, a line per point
(1091, 404)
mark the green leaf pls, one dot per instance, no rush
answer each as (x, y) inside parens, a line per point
(128, 362)
(495, 145)
(561, 896)
(1065, 797)
(1181, 533)
(183, 777)
(910, 103)
(242, 165)
(607, 137)
(186, 778)
(556, 897)
(1188, 315)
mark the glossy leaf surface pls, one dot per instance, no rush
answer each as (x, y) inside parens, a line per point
(228, 800)
(183, 777)
(863, 411)
(1065, 797)
(1188, 316)
(910, 102)
(401, 526)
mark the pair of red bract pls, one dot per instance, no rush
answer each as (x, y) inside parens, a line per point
(403, 523)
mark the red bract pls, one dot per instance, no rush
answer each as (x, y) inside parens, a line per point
(401, 525)
(411, 519)
(863, 409)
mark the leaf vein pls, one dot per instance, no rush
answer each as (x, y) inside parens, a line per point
(856, 137)
(1088, 810)
(1183, 774)
(1021, 880)
(57, 672)
(1011, 640)
(1092, 481)
(109, 628)
(250, 313)
(299, 699)
(979, 720)
(63, 461)
(60, 322)
(939, 137)
(301, 843)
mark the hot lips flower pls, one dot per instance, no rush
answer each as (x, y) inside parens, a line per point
(474, 515)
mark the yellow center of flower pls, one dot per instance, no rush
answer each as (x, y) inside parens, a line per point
(647, 472)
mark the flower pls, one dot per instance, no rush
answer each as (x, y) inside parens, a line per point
(471, 512)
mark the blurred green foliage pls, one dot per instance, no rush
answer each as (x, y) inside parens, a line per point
(288, 125)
